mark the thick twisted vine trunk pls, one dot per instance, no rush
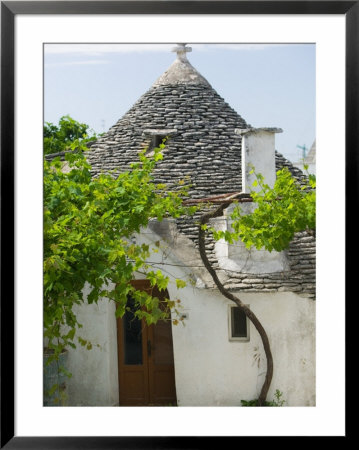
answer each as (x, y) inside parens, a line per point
(251, 316)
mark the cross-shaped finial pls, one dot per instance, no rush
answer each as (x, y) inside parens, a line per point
(181, 51)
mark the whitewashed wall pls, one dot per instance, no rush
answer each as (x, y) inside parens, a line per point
(94, 380)
(211, 370)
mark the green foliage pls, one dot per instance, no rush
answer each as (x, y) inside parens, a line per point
(277, 401)
(61, 137)
(280, 212)
(88, 224)
(180, 284)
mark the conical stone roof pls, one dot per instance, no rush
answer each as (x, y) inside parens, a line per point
(202, 143)
(204, 146)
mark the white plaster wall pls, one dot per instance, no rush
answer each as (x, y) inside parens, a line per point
(237, 258)
(213, 371)
(258, 150)
(95, 372)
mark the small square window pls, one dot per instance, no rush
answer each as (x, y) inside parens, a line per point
(238, 324)
(156, 136)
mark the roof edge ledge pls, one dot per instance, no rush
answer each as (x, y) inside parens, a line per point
(160, 131)
(242, 131)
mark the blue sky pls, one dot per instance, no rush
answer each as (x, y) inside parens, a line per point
(269, 85)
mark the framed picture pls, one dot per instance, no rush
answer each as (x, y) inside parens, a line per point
(26, 29)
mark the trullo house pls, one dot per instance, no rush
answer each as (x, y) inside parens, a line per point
(216, 358)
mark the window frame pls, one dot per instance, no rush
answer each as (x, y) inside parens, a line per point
(232, 338)
(157, 134)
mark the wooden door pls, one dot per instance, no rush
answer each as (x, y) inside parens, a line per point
(145, 358)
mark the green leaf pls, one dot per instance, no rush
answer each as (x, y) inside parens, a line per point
(53, 389)
(63, 370)
(71, 334)
(180, 284)
(120, 310)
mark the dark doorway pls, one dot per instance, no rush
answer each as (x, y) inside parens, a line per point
(145, 357)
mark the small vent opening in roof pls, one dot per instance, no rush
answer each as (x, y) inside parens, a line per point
(156, 137)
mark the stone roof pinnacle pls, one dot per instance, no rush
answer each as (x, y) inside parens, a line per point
(181, 71)
(181, 51)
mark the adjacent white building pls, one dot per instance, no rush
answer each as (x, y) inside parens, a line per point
(309, 160)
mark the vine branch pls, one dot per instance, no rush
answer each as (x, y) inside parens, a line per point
(249, 313)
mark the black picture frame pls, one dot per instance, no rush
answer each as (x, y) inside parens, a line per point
(9, 9)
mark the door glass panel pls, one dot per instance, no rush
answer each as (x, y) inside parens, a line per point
(162, 334)
(132, 330)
